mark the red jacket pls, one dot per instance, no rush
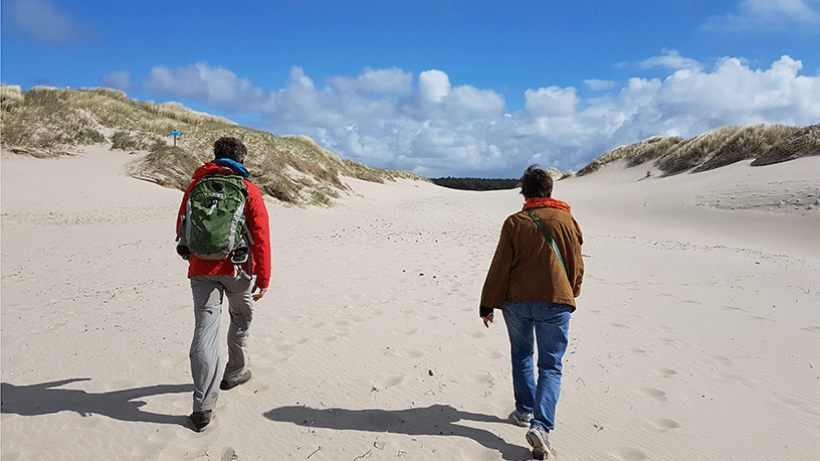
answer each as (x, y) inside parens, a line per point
(256, 216)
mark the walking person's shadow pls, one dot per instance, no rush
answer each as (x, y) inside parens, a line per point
(434, 420)
(124, 405)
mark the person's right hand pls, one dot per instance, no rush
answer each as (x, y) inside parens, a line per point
(488, 320)
(259, 295)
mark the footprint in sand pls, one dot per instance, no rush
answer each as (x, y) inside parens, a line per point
(290, 318)
(666, 372)
(663, 424)
(174, 359)
(389, 380)
(722, 360)
(46, 328)
(177, 452)
(285, 347)
(631, 454)
(736, 377)
(481, 378)
(410, 353)
(656, 394)
(494, 354)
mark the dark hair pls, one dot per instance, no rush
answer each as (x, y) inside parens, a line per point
(230, 148)
(536, 183)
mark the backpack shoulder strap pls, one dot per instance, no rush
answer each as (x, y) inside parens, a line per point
(549, 238)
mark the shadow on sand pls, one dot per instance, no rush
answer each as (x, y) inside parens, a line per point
(124, 405)
(436, 420)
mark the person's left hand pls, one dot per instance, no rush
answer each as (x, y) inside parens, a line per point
(261, 293)
(488, 320)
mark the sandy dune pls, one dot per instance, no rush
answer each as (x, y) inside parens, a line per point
(697, 334)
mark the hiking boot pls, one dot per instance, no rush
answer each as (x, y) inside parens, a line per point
(201, 419)
(230, 383)
(521, 419)
(538, 439)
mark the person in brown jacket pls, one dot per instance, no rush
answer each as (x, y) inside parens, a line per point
(535, 276)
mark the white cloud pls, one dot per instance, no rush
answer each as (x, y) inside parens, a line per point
(381, 119)
(551, 101)
(797, 16)
(792, 10)
(386, 81)
(118, 79)
(42, 21)
(213, 85)
(433, 85)
(600, 85)
(466, 102)
(671, 59)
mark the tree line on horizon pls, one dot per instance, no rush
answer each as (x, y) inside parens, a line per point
(478, 184)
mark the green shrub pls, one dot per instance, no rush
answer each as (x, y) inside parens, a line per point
(89, 136)
(124, 141)
(318, 198)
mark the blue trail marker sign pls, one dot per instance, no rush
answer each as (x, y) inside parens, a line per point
(176, 133)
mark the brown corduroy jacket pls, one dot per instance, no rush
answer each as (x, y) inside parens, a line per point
(525, 267)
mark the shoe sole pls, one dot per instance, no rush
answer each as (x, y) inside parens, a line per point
(539, 451)
(226, 385)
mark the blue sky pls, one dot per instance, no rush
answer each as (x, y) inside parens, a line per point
(441, 88)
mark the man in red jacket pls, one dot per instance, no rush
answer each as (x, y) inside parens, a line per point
(213, 279)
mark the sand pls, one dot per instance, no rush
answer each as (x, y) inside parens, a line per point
(697, 334)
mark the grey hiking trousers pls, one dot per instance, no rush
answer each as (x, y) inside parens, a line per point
(208, 291)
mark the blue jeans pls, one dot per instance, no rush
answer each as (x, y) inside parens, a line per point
(550, 324)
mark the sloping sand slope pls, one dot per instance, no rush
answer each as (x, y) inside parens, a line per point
(697, 334)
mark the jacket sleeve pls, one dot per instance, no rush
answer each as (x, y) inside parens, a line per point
(497, 282)
(578, 278)
(257, 218)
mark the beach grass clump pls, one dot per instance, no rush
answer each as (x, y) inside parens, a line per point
(695, 151)
(11, 96)
(167, 166)
(123, 141)
(747, 143)
(88, 136)
(802, 142)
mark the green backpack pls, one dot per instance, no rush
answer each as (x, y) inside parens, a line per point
(213, 226)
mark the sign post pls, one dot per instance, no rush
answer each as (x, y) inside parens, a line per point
(176, 133)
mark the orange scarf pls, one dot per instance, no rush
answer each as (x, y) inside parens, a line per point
(546, 202)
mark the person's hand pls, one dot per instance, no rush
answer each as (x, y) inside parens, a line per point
(261, 293)
(488, 320)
